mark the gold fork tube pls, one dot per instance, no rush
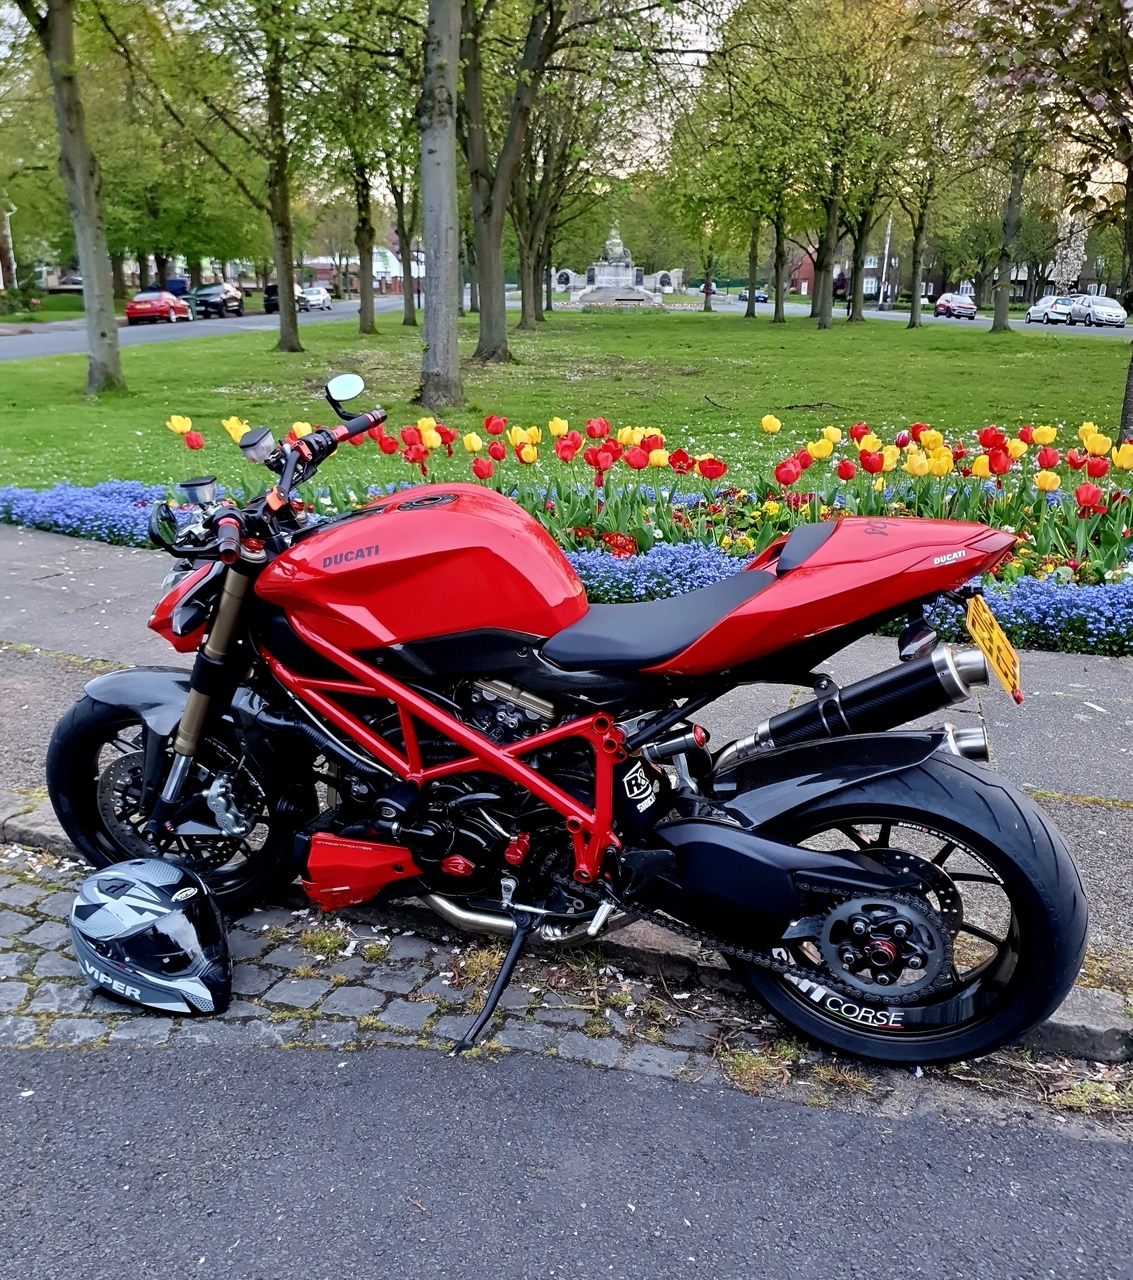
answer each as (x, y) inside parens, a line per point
(215, 648)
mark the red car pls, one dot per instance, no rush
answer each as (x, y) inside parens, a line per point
(957, 306)
(155, 305)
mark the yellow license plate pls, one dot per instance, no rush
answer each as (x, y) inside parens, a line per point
(996, 648)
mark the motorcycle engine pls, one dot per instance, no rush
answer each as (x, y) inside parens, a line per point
(502, 712)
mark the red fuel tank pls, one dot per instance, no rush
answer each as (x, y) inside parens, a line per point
(430, 561)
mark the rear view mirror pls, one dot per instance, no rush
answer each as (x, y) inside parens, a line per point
(345, 386)
(162, 525)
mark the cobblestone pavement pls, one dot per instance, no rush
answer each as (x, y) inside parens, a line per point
(363, 978)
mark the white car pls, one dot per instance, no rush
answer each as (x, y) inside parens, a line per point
(317, 299)
(1052, 309)
(1093, 309)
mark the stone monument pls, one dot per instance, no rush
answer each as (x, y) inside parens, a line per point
(614, 280)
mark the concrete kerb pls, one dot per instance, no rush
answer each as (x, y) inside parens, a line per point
(1091, 1024)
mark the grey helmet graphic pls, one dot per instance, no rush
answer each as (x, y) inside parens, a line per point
(149, 932)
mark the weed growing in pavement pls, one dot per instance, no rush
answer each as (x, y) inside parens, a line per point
(478, 965)
(338, 979)
(305, 971)
(1093, 1096)
(375, 952)
(322, 942)
(841, 1077)
(754, 1072)
(370, 1022)
(276, 934)
(596, 1025)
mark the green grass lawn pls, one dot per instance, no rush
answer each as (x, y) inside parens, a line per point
(705, 380)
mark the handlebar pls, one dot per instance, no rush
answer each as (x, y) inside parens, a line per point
(319, 445)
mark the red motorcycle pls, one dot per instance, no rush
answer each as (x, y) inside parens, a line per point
(416, 698)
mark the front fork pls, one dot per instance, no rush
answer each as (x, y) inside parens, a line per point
(208, 675)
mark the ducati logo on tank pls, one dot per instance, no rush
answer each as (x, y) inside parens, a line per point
(638, 788)
(350, 557)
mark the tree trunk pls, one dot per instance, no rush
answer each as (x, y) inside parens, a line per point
(117, 274)
(405, 255)
(473, 275)
(857, 283)
(492, 344)
(460, 273)
(1126, 431)
(194, 272)
(780, 316)
(752, 268)
(143, 272)
(7, 252)
(920, 235)
(279, 195)
(55, 30)
(1011, 215)
(161, 262)
(528, 285)
(549, 280)
(824, 291)
(709, 272)
(436, 118)
(363, 241)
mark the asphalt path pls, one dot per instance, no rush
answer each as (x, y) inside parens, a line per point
(388, 1163)
(73, 341)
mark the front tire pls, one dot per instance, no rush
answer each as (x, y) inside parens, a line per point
(94, 764)
(1012, 872)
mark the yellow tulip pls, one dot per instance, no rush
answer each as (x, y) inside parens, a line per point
(534, 435)
(1016, 448)
(559, 426)
(890, 456)
(832, 434)
(1098, 444)
(941, 466)
(426, 424)
(869, 444)
(878, 485)
(430, 438)
(301, 429)
(931, 440)
(981, 467)
(1045, 435)
(917, 465)
(941, 452)
(819, 448)
(516, 437)
(625, 436)
(1047, 481)
(182, 426)
(659, 458)
(528, 453)
(1086, 430)
(236, 427)
(1123, 456)
(637, 434)
(771, 424)
(472, 442)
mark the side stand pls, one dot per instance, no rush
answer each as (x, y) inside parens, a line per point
(523, 925)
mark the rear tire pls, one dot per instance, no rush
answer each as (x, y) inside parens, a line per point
(998, 999)
(90, 740)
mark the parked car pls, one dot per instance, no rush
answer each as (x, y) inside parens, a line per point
(178, 285)
(271, 299)
(1093, 309)
(1050, 310)
(155, 305)
(956, 306)
(318, 299)
(217, 300)
(760, 295)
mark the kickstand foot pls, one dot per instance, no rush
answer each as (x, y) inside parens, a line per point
(523, 925)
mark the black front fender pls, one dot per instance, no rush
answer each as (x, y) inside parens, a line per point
(157, 694)
(776, 782)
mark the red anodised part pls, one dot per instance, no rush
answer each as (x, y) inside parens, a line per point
(518, 848)
(457, 865)
(341, 872)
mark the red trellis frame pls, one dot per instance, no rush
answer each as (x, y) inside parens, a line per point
(590, 829)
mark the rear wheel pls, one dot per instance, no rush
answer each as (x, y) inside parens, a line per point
(94, 777)
(986, 949)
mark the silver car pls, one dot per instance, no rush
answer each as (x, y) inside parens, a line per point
(1051, 310)
(1093, 309)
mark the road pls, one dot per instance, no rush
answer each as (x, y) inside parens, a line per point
(395, 1162)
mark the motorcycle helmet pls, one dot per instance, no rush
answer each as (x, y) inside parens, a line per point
(149, 932)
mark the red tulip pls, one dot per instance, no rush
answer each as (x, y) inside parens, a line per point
(494, 425)
(636, 458)
(1048, 458)
(1026, 433)
(901, 439)
(680, 461)
(712, 468)
(1097, 467)
(991, 438)
(1089, 499)
(590, 455)
(376, 433)
(614, 449)
(916, 429)
(410, 436)
(803, 458)
(651, 442)
(846, 469)
(999, 460)
(965, 471)
(498, 450)
(871, 462)
(1077, 459)
(958, 452)
(573, 438)
(482, 468)
(415, 455)
(360, 438)
(387, 444)
(605, 459)
(194, 440)
(447, 435)
(788, 471)
(597, 428)
(565, 449)
(858, 430)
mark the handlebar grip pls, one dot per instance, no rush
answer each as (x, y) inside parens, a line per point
(228, 539)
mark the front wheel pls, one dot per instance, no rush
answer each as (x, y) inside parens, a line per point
(94, 778)
(999, 924)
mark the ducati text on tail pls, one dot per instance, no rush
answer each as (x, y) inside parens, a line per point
(416, 698)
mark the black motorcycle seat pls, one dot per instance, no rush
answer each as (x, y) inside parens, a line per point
(616, 637)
